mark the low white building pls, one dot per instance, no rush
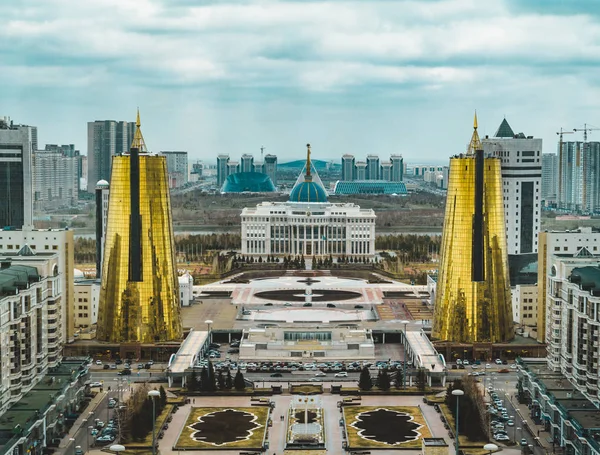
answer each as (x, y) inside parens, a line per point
(308, 225)
(318, 342)
(186, 289)
(85, 307)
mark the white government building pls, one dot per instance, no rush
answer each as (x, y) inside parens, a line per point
(308, 224)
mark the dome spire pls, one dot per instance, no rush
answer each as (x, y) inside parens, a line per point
(138, 139)
(308, 176)
(475, 143)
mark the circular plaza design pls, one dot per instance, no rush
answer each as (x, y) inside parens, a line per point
(319, 295)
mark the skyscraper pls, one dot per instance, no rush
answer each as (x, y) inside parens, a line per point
(521, 164)
(472, 302)
(270, 167)
(386, 171)
(139, 298)
(16, 180)
(361, 170)
(372, 167)
(55, 179)
(102, 194)
(348, 168)
(105, 139)
(397, 168)
(549, 178)
(579, 177)
(247, 163)
(222, 170)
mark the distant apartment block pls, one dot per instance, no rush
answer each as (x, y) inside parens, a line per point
(372, 169)
(55, 178)
(549, 178)
(226, 167)
(106, 138)
(579, 177)
(177, 168)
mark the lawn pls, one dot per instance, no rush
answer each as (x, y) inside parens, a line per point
(224, 428)
(378, 427)
(306, 389)
(463, 440)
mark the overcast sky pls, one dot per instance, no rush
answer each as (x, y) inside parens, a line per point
(359, 77)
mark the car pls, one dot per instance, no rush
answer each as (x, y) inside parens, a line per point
(358, 307)
(330, 305)
(498, 362)
(268, 304)
(118, 361)
(105, 438)
(474, 366)
(320, 374)
(127, 366)
(140, 366)
(99, 424)
(510, 423)
(316, 379)
(501, 437)
(307, 304)
(96, 384)
(113, 366)
(465, 362)
(487, 365)
(233, 350)
(93, 432)
(513, 366)
(106, 367)
(276, 375)
(98, 362)
(124, 373)
(151, 362)
(458, 361)
(211, 345)
(523, 442)
(112, 404)
(341, 374)
(287, 304)
(78, 450)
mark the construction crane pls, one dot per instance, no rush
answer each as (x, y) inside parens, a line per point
(560, 160)
(585, 130)
(262, 149)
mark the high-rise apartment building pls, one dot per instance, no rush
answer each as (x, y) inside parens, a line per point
(472, 302)
(106, 138)
(258, 167)
(549, 178)
(55, 179)
(139, 298)
(397, 168)
(521, 159)
(348, 168)
(270, 167)
(177, 168)
(233, 167)
(16, 179)
(579, 177)
(372, 167)
(222, 169)
(247, 163)
(361, 170)
(385, 172)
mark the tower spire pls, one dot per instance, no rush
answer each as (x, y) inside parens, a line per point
(475, 143)
(308, 176)
(138, 138)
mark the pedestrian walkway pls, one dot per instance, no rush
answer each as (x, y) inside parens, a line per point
(541, 436)
(82, 421)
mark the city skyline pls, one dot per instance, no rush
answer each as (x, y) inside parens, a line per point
(366, 77)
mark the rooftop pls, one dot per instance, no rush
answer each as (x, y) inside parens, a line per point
(504, 130)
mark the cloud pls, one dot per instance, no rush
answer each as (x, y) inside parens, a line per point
(305, 53)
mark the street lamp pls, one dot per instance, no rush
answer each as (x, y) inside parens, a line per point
(457, 393)
(404, 322)
(117, 448)
(90, 428)
(208, 323)
(72, 441)
(518, 428)
(490, 448)
(153, 394)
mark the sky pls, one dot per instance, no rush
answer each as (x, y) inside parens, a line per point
(360, 77)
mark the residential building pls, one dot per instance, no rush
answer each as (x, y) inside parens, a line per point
(177, 168)
(186, 289)
(233, 167)
(579, 177)
(42, 242)
(270, 167)
(139, 301)
(222, 169)
(55, 179)
(397, 168)
(84, 169)
(348, 168)
(106, 138)
(308, 225)
(549, 178)
(258, 167)
(85, 307)
(372, 167)
(361, 171)
(102, 195)
(16, 178)
(473, 304)
(246, 163)
(554, 245)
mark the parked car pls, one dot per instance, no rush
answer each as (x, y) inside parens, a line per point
(113, 366)
(320, 374)
(358, 307)
(330, 305)
(523, 442)
(498, 362)
(98, 362)
(106, 367)
(233, 350)
(78, 450)
(118, 361)
(307, 304)
(124, 373)
(96, 384)
(106, 438)
(140, 366)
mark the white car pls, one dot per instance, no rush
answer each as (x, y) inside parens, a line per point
(487, 365)
(514, 366)
(341, 374)
(96, 384)
(320, 374)
(465, 362)
(98, 362)
(498, 362)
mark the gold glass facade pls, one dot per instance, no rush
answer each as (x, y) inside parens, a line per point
(470, 311)
(142, 310)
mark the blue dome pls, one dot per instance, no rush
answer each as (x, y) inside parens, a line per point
(308, 192)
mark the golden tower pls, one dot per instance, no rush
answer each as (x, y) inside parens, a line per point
(473, 301)
(139, 297)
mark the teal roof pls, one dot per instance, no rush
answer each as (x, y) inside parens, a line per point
(369, 187)
(504, 130)
(253, 182)
(308, 191)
